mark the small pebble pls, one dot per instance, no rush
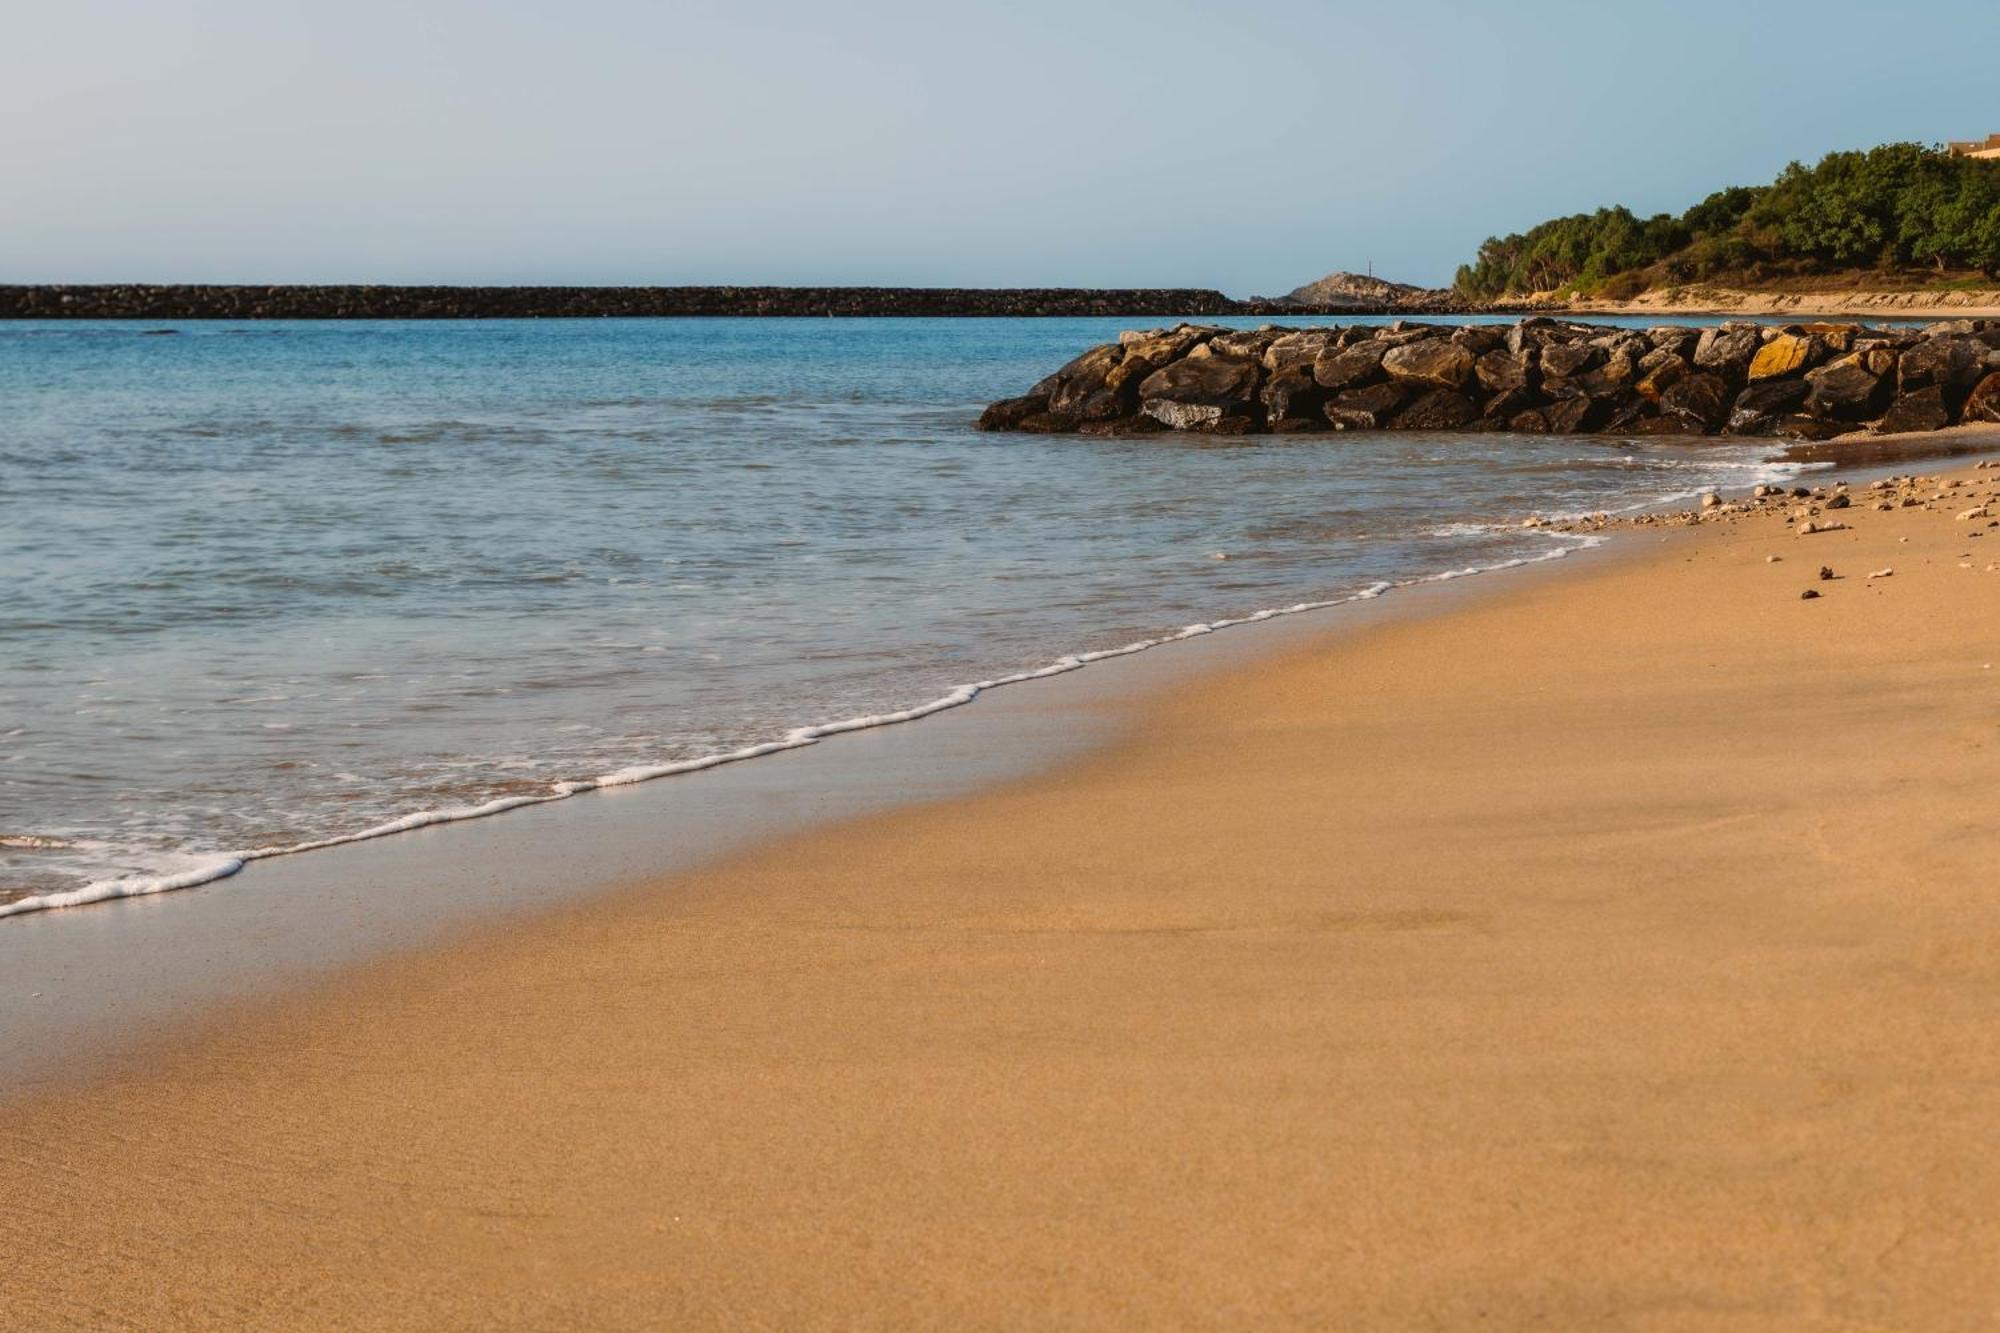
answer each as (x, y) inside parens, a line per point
(1809, 594)
(1883, 573)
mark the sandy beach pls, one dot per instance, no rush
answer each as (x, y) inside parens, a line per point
(1616, 950)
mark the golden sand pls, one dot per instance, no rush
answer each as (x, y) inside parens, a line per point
(1621, 950)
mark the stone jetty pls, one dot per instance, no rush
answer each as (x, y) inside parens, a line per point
(1537, 376)
(306, 301)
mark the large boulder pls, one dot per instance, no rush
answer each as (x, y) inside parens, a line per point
(1479, 339)
(1300, 347)
(1538, 331)
(1081, 390)
(1436, 363)
(1351, 366)
(1786, 354)
(1562, 360)
(1953, 363)
(1012, 413)
(1700, 403)
(1293, 399)
(1922, 409)
(1984, 403)
(1728, 348)
(1501, 371)
(1676, 339)
(1569, 416)
(1439, 409)
(1504, 406)
(1762, 405)
(1245, 344)
(1658, 372)
(1846, 390)
(1368, 408)
(1201, 390)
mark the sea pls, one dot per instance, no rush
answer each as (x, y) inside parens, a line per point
(268, 587)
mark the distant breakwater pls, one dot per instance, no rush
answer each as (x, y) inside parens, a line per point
(1539, 376)
(175, 302)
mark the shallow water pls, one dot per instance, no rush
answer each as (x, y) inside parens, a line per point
(268, 584)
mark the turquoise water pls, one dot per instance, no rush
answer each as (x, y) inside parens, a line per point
(269, 584)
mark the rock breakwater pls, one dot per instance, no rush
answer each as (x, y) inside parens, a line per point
(152, 301)
(1540, 376)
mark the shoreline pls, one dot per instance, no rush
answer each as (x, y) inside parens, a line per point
(82, 1023)
(1651, 896)
(297, 945)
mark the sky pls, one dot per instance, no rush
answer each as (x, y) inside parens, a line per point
(1249, 148)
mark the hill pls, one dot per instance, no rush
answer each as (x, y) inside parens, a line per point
(1907, 214)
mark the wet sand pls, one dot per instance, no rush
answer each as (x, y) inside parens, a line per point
(1618, 950)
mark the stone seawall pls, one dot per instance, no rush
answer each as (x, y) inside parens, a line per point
(1541, 376)
(146, 301)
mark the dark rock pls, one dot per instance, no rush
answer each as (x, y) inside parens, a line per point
(1200, 390)
(1479, 339)
(1954, 363)
(1810, 429)
(1366, 409)
(1562, 360)
(1658, 372)
(1440, 409)
(1657, 426)
(1624, 412)
(1502, 371)
(1846, 390)
(1293, 399)
(1009, 413)
(1759, 407)
(1504, 406)
(1351, 366)
(1571, 416)
(1984, 404)
(1083, 389)
(1727, 349)
(1674, 339)
(1700, 403)
(1436, 363)
(1921, 409)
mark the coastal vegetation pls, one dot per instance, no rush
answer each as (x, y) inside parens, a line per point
(1901, 210)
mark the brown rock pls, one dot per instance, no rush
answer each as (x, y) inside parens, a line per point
(1439, 409)
(1367, 408)
(1920, 410)
(1352, 366)
(1727, 349)
(1659, 372)
(1293, 399)
(1562, 360)
(1432, 362)
(1984, 404)
(1846, 390)
(1502, 371)
(1700, 403)
(1786, 354)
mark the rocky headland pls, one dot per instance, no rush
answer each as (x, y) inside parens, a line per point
(1539, 376)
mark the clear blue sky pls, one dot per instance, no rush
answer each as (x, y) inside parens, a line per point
(1243, 147)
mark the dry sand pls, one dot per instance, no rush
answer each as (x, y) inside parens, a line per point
(1695, 299)
(1619, 951)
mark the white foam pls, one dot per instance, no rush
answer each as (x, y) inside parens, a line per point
(139, 886)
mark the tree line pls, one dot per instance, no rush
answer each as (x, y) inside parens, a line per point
(1896, 206)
